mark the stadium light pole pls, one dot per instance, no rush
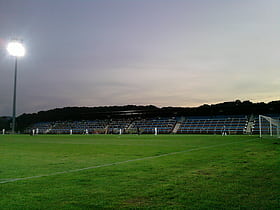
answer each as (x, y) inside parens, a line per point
(15, 48)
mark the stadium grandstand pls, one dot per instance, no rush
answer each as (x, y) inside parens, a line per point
(229, 117)
(215, 125)
(231, 124)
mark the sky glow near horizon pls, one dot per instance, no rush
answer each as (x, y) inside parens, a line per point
(159, 52)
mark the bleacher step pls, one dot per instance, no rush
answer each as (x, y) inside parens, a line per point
(176, 127)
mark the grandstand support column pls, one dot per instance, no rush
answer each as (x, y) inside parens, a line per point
(260, 125)
(270, 127)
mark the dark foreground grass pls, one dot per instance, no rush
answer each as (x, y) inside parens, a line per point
(139, 172)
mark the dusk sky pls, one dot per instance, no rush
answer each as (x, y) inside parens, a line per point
(160, 52)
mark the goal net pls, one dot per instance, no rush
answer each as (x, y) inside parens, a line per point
(269, 126)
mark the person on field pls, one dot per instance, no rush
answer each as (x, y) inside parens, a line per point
(224, 131)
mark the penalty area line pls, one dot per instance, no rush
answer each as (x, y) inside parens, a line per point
(3, 181)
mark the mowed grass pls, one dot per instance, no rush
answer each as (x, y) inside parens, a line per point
(139, 172)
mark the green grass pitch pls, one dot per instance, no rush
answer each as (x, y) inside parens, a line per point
(139, 172)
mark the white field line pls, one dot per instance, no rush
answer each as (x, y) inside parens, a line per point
(2, 181)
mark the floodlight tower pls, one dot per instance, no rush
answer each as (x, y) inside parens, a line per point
(15, 48)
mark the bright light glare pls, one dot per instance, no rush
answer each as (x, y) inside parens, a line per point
(16, 48)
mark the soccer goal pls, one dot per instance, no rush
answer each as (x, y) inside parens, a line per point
(269, 126)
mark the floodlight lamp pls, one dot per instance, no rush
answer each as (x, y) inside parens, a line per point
(16, 48)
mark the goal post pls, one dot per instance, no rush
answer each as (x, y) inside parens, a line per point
(269, 126)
